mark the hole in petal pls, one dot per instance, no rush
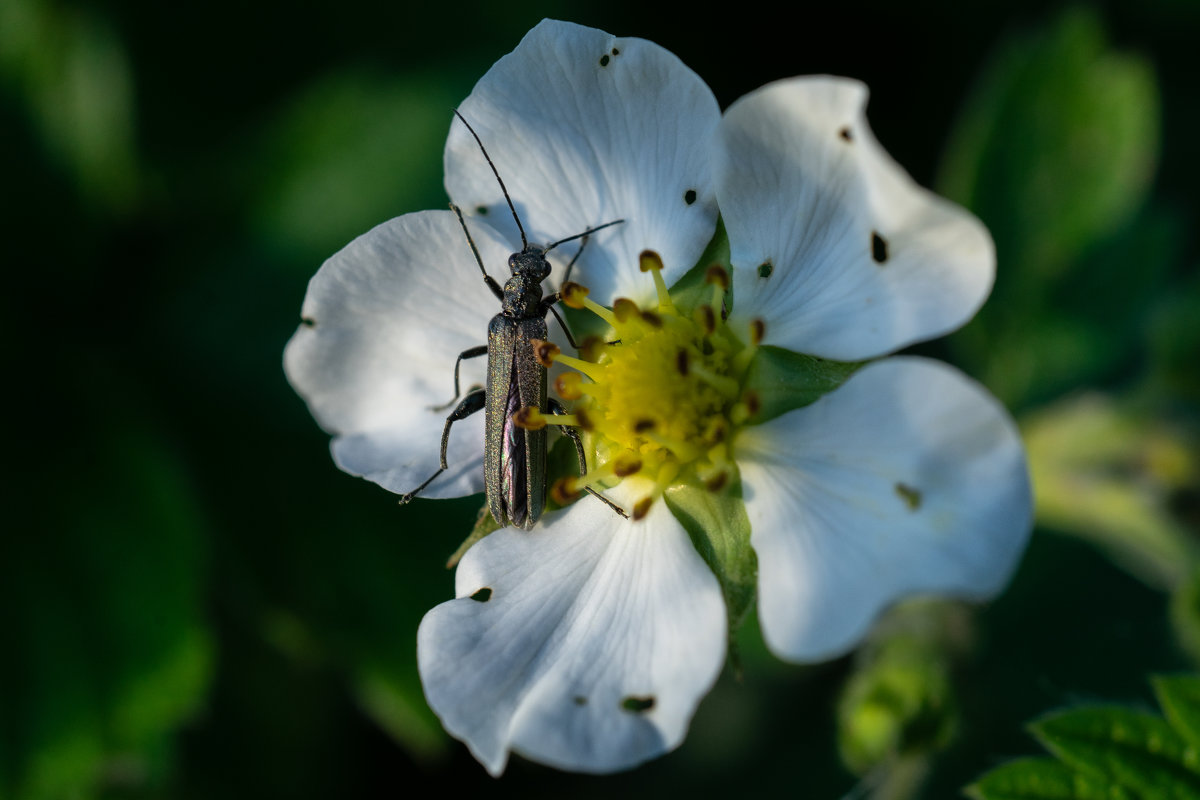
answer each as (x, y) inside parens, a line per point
(765, 269)
(638, 705)
(616, 52)
(879, 248)
(689, 196)
(604, 60)
(846, 134)
(483, 595)
(910, 496)
(308, 322)
(481, 210)
(580, 700)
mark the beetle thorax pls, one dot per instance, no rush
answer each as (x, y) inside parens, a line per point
(522, 297)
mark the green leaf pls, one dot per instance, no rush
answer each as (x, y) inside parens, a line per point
(1179, 696)
(785, 380)
(1043, 779)
(1057, 145)
(720, 530)
(106, 651)
(1136, 749)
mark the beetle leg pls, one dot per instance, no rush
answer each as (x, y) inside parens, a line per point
(557, 408)
(474, 352)
(474, 401)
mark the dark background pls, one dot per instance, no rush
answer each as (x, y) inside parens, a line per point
(195, 602)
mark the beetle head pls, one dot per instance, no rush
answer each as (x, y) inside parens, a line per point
(530, 262)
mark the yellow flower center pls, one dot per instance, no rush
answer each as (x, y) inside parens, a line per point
(665, 397)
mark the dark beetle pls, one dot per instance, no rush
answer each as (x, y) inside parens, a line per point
(514, 457)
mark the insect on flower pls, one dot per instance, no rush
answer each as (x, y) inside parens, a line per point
(515, 396)
(775, 456)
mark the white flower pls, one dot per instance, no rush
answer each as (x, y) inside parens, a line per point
(587, 642)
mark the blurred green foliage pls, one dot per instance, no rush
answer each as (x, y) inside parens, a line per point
(196, 603)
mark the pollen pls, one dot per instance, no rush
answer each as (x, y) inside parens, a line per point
(664, 394)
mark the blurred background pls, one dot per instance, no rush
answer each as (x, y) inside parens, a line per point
(194, 602)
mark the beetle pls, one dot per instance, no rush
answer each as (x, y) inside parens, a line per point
(514, 457)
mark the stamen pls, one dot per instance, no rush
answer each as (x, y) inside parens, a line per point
(625, 309)
(573, 295)
(651, 262)
(706, 318)
(544, 352)
(530, 418)
(565, 491)
(592, 370)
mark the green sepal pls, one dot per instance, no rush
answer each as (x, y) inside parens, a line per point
(1135, 749)
(691, 290)
(720, 531)
(1179, 696)
(784, 380)
(1043, 779)
(484, 524)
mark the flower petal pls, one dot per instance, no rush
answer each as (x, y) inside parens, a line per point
(907, 479)
(586, 128)
(386, 317)
(833, 245)
(588, 644)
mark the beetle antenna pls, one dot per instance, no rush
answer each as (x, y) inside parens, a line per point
(588, 232)
(511, 207)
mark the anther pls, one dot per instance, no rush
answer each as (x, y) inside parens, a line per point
(681, 362)
(624, 308)
(544, 352)
(644, 425)
(758, 329)
(567, 385)
(530, 418)
(626, 464)
(717, 276)
(573, 294)
(717, 482)
(582, 420)
(564, 491)
(706, 318)
(649, 260)
(753, 403)
(642, 507)
(651, 319)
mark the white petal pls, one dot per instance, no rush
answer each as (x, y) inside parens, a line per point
(795, 193)
(836, 537)
(586, 611)
(390, 313)
(579, 144)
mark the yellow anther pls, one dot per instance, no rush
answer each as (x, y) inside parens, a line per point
(758, 329)
(545, 352)
(651, 262)
(530, 418)
(642, 507)
(626, 464)
(705, 318)
(625, 309)
(573, 294)
(716, 275)
(716, 482)
(565, 491)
